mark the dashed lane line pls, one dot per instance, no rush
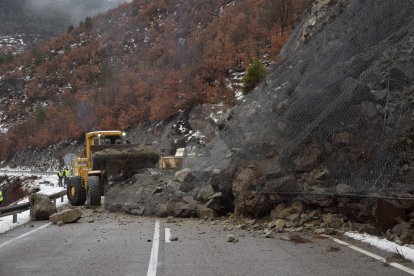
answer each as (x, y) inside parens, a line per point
(152, 267)
(372, 255)
(25, 234)
(167, 235)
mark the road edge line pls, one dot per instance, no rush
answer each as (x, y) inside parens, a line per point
(167, 235)
(152, 267)
(25, 234)
(372, 255)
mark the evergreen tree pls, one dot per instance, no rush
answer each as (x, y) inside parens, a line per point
(255, 73)
(88, 23)
(70, 29)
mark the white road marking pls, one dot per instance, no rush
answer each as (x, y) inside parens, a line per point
(372, 255)
(25, 234)
(167, 235)
(152, 267)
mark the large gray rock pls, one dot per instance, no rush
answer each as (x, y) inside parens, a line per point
(136, 195)
(184, 175)
(177, 207)
(401, 227)
(308, 157)
(41, 207)
(205, 193)
(215, 202)
(333, 220)
(187, 186)
(277, 211)
(343, 189)
(204, 211)
(66, 216)
(368, 109)
(387, 213)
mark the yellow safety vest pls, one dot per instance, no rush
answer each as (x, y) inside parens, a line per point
(66, 173)
(1, 196)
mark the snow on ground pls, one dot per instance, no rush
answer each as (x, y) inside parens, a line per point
(383, 244)
(47, 185)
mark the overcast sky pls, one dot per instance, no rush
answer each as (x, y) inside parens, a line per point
(76, 10)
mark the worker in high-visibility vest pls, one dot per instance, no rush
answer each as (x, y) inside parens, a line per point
(60, 174)
(66, 175)
(1, 197)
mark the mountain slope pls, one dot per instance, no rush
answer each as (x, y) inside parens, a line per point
(143, 61)
(336, 117)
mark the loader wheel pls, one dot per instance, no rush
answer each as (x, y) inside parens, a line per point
(76, 191)
(94, 191)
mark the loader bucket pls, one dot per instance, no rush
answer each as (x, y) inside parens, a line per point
(124, 160)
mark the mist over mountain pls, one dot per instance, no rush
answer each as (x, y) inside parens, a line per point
(48, 17)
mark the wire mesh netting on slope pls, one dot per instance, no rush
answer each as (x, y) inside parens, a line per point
(337, 116)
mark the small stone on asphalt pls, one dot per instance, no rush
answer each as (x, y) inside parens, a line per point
(232, 238)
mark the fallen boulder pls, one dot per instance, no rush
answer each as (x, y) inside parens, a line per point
(184, 175)
(204, 211)
(66, 216)
(41, 207)
(177, 207)
(205, 193)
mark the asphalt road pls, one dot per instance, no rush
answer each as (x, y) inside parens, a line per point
(114, 244)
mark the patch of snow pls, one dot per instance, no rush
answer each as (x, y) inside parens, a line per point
(383, 244)
(198, 136)
(212, 117)
(47, 185)
(182, 129)
(3, 129)
(181, 41)
(239, 95)
(154, 171)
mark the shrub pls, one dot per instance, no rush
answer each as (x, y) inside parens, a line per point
(6, 58)
(255, 73)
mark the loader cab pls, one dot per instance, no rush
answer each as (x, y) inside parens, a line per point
(99, 140)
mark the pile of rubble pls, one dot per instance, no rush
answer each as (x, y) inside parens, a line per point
(298, 217)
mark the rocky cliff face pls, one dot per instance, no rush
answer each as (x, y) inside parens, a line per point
(334, 118)
(337, 115)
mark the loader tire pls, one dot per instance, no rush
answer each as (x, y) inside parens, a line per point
(76, 191)
(94, 191)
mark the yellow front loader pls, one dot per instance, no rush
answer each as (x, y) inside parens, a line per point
(90, 171)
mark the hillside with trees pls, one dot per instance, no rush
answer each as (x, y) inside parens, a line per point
(141, 62)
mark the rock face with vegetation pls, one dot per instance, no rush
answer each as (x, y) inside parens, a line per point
(331, 119)
(335, 117)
